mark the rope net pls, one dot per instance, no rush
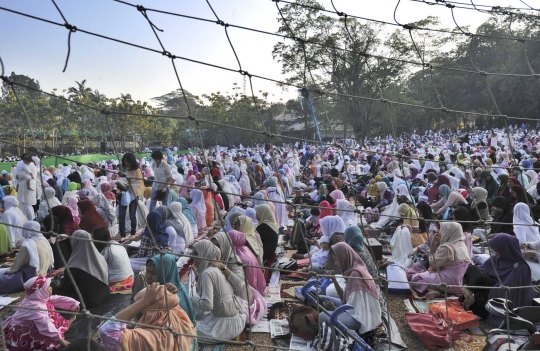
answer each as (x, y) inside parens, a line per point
(111, 116)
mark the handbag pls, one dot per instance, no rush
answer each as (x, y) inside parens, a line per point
(431, 329)
(160, 195)
(457, 315)
(125, 199)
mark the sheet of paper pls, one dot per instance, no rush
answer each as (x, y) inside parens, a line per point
(262, 327)
(6, 301)
(279, 328)
(135, 243)
(297, 343)
(272, 294)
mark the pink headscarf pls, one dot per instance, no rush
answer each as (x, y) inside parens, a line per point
(106, 189)
(337, 195)
(346, 257)
(254, 275)
(72, 205)
(188, 185)
(37, 297)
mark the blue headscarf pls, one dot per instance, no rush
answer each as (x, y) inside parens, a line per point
(387, 181)
(354, 238)
(258, 199)
(170, 270)
(155, 224)
(445, 191)
(186, 210)
(65, 185)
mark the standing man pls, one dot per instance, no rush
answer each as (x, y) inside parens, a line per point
(27, 194)
(162, 179)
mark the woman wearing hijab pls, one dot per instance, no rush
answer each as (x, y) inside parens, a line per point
(5, 244)
(49, 201)
(119, 267)
(384, 195)
(479, 206)
(254, 242)
(281, 209)
(533, 179)
(361, 294)
(71, 193)
(104, 208)
(34, 258)
(355, 239)
(325, 209)
(490, 184)
(337, 195)
(503, 216)
(173, 228)
(506, 263)
(154, 235)
(409, 215)
(198, 207)
(106, 190)
(517, 195)
(345, 210)
(89, 271)
(182, 221)
(209, 204)
(87, 184)
(186, 211)
(331, 225)
(13, 218)
(525, 228)
(227, 190)
(35, 251)
(188, 185)
(253, 302)
(222, 313)
(254, 274)
(433, 192)
(37, 328)
(90, 217)
(244, 182)
(447, 264)
(72, 205)
(401, 243)
(504, 189)
(163, 270)
(449, 198)
(159, 312)
(259, 175)
(57, 190)
(268, 231)
(269, 203)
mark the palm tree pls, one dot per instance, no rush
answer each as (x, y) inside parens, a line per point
(80, 91)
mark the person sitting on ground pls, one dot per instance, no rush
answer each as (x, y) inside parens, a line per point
(507, 264)
(447, 264)
(37, 329)
(222, 315)
(503, 217)
(449, 198)
(254, 303)
(158, 311)
(362, 294)
(49, 201)
(318, 258)
(120, 272)
(89, 271)
(35, 258)
(355, 239)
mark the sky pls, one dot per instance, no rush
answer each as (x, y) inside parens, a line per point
(38, 49)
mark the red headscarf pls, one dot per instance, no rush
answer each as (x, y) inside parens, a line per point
(90, 218)
(326, 209)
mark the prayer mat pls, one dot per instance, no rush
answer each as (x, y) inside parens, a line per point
(287, 289)
(219, 347)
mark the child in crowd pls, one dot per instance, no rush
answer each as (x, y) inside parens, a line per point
(23, 172)
(319, 257)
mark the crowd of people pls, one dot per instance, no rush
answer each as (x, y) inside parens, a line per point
(227, 209)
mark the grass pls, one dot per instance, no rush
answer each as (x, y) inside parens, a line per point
(55, 161)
